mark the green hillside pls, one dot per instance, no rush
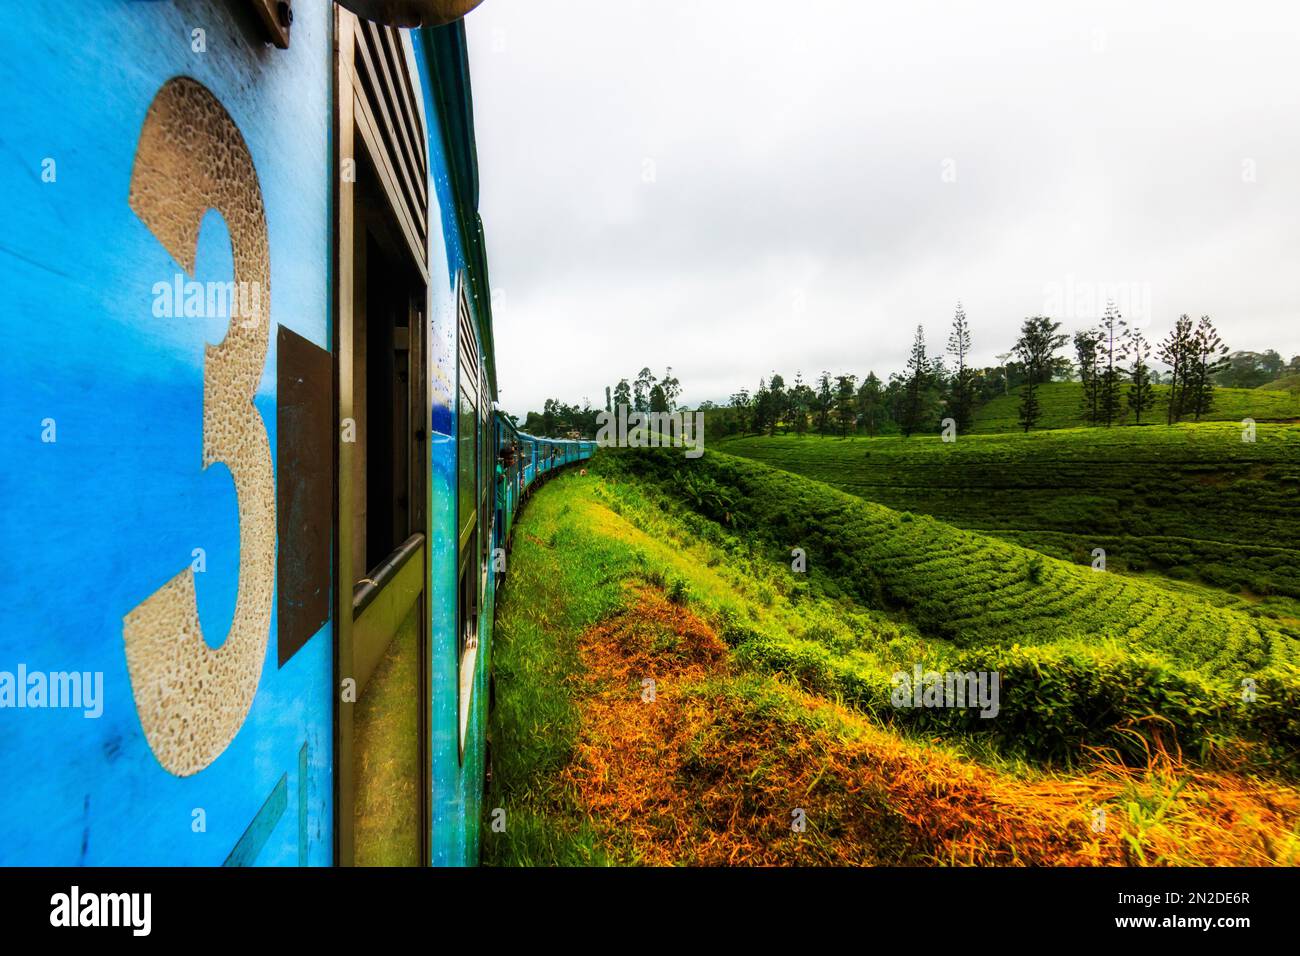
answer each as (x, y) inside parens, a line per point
(1192, 501)
(1288, 383)
(768, 685)
(1062, 404)
(1083, 647)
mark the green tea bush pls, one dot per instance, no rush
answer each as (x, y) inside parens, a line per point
(1086, 659)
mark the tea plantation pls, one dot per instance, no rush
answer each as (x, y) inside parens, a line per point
(1191, 501)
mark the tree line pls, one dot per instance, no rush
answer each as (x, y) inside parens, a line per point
(1111, 360)
(643, 393)
(908, 401)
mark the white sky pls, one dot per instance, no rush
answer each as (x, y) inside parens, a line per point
(798, 215)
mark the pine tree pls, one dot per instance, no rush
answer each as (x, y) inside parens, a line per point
(1111, 333)
(797, 413)
(778, 399)
(762, 406)
(962, 396)
(1139, 391)
(846, 411)
(1029, 409)
(1085, 349)
(1175, 351)
(823, 401)
(1036, 349)
(918, 375)
(870, 397)
(1209, 357)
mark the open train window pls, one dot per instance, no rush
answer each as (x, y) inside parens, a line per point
(487, 481)
(471, 397)
(386, 379)
(467, 458)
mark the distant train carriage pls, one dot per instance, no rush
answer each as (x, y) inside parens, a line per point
(254, 477)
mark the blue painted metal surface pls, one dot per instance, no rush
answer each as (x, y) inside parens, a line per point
(99, 518)
(455, 785)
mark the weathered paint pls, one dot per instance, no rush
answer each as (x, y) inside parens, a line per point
(98, 520)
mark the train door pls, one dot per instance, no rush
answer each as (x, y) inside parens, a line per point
(381, 453)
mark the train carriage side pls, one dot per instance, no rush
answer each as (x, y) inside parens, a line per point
(280, 273)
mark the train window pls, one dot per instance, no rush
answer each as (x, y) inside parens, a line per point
(467, 456)
(467, 421)
(388, 224)
(487, 477)
(470, 450)
(384, 390)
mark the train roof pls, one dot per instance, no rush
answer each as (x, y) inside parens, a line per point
(520, 433)
(556, 441)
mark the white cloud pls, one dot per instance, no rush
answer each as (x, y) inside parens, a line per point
(798, 155)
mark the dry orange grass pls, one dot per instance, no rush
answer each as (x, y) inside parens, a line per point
(712, 772)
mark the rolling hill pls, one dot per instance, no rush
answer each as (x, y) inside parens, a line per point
(1062, 405)
(1191, 502)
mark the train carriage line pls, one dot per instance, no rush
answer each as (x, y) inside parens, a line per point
(266, 479)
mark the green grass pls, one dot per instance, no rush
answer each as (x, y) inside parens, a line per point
(1062, 405)
(1189, 502)
(534, 726)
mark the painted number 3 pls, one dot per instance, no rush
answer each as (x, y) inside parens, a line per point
(193, 699)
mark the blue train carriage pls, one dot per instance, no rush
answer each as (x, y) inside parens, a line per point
(246, 294)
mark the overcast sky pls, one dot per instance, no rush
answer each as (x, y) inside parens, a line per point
(732, 187)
